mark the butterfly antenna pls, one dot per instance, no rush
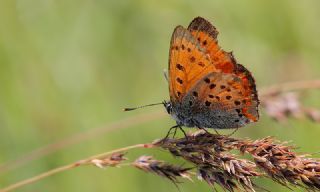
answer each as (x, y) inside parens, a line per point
(134, 108)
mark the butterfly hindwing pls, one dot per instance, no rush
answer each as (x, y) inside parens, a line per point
(218, 101)
(188, 62)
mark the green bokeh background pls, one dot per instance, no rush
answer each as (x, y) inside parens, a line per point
(70, 66)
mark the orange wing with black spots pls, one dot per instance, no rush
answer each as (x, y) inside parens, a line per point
(206, 34)
(188, 62)
(218, 100)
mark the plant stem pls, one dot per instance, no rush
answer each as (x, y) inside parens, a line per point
(71, 166)
(78, 138)
(290, 86)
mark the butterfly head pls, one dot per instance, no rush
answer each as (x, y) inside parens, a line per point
(168, 106)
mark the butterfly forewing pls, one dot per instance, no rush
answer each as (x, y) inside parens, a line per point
(207, 34)
(188, 62)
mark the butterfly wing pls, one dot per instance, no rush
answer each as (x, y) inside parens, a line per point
(208, 86)
(219, 101)
(188, 62)
(206, 34)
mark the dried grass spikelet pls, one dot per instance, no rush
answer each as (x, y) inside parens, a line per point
(163, 169)
(216, 166)
(211, 154)
(283, 165)
(228, 171)
(112, 161)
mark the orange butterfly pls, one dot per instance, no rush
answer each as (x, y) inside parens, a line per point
(208, 88)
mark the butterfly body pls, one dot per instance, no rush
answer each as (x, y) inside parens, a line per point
(208, 89)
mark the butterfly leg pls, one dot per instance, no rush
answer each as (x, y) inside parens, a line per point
(185, 135)
(175, 132)
(216, 132)
(181, 129)
(169, 132)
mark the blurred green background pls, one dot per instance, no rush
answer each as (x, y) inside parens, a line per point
(70, 66)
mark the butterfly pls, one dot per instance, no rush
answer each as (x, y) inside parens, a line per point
(207, 87)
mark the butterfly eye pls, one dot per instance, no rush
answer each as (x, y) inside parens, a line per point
(168, 107)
